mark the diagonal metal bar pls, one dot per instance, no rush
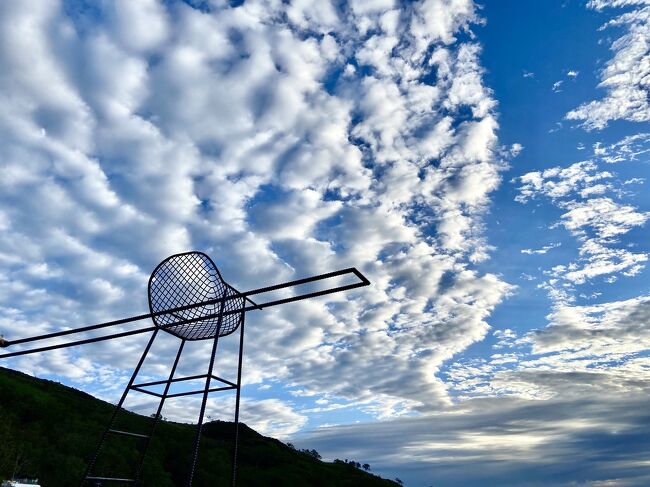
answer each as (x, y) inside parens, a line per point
(80, 342)
(216, 377)
(156, 418)
(237, 400)
(144, 391)
(206, 391)
(298, 282)
(302, 296)
(117, 409)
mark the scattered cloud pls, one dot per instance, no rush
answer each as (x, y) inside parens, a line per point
(601, 4)
(634, 148)
(515, 149)
(543, 250)
(506, 338)
(625, 76)
(598, 221)
(558, 183)
(589, 197)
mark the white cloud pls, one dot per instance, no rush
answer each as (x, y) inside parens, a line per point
(506, 337)
(307, 14)
(557, 182)
(515, 149)
(588, 351)
(169, 128)
(613, 328)
(542, 251)
(631, 148)
(584, 351)
(600, 260)
(141, 26)
(598, 224)
(231, 131)
(625, 76)
(272, 417)
(601, 4)
(439, 20)
(583, 191)
(603, 216)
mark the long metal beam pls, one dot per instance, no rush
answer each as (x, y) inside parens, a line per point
(254, 306)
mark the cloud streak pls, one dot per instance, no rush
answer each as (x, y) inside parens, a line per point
(504, 442)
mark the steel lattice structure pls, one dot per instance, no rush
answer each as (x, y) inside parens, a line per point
(189, 299)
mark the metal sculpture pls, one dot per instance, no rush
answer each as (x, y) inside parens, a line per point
(189, 299)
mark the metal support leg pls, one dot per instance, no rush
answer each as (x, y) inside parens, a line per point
(92, 462)
(241, 352)
(156, 418)
(199, 426)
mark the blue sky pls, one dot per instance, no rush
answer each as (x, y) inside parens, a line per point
(484, 164)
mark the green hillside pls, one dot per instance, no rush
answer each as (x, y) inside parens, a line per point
(48, 430)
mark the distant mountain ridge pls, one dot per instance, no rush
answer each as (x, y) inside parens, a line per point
(48, 430)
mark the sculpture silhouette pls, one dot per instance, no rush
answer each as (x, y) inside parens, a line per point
(189, 299)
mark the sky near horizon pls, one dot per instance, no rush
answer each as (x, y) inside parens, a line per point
(483, 163)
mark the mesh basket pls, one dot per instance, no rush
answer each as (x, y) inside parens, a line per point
(186, 279)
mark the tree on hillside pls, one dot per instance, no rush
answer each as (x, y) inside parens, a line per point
(312, 453)
(7, 445)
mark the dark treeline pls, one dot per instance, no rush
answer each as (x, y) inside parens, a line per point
(47, 431)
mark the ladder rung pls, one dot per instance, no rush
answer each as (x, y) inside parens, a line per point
(128, 433)
(110, 479)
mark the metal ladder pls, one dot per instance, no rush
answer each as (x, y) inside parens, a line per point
(89, 476)
(110, 430)
(132, 386)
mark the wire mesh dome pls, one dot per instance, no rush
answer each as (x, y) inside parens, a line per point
(186, 279)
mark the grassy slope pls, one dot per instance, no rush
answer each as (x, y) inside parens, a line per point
(52, 429)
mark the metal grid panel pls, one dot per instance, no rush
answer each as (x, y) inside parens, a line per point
(187, 279)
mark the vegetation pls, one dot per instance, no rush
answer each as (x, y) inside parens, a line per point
(48, 431)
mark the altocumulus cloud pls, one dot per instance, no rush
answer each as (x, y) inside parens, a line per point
(284, 140)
